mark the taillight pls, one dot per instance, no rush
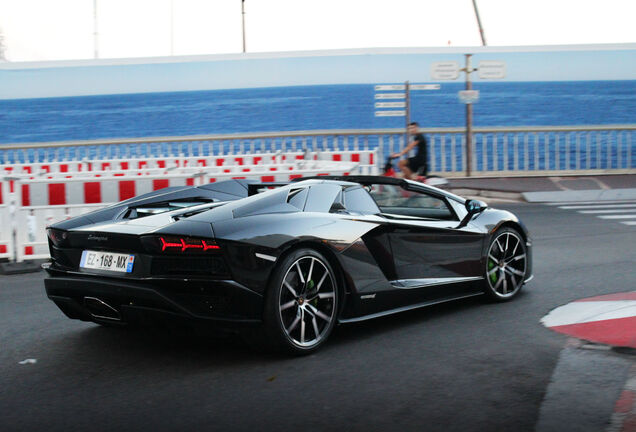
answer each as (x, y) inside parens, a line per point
(172, 244)
(57, 237)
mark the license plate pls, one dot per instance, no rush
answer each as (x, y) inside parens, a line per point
(107, 261)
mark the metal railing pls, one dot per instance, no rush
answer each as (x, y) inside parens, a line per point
(496, 150)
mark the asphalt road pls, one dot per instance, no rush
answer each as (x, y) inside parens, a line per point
(465, 366)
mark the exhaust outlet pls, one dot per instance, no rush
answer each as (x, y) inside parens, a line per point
(100, 309)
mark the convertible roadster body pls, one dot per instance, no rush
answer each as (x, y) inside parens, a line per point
(293, 260)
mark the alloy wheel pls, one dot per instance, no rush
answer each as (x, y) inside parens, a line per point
(506, 264)
(307, 301)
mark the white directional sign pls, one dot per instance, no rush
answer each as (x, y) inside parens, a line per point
(384, 87)
(490, 69)
(390, 104)
(448, 70)
(390, 95)
(424, 87)
(468, 96)
(396, 113)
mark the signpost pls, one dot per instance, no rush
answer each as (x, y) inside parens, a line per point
(385, 87)
(394, 113)
(469, 118)
(443, 71)
(390, 95)
(449, 70)
(401, 92)
(490, 69)
(468, 96)
(425, 86)
(390, 104)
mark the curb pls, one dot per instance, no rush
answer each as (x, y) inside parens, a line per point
(581, 195)
(486, 193)
(624, 417)
(12, 268)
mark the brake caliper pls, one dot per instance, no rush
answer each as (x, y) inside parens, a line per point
(493, 275)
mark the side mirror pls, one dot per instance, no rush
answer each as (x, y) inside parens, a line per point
(475, 206)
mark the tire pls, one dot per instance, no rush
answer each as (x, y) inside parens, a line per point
(505, 265)
(301, 303)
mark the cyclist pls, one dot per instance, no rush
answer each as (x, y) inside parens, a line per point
(410, 167)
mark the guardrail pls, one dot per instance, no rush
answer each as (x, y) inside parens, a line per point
(496, 150)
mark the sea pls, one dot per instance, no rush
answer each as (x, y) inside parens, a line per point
(310, 107)
(348, 106)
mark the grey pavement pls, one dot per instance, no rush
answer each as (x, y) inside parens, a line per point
(545, 184)
(584, 382)
(547, 189)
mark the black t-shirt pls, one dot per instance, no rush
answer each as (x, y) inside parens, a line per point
(421, 147)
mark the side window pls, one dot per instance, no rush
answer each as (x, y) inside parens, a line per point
(357, 199)
(297, 197)
(393, 199)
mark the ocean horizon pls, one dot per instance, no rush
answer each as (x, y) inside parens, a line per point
(347, 106)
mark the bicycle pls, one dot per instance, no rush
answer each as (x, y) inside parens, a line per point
(432, 180)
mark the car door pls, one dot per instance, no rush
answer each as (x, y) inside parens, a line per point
(429, 245)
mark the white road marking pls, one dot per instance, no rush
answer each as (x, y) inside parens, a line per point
(606, 211)
(599, 206)
(563, 203)
(618, 210)
(628, 216)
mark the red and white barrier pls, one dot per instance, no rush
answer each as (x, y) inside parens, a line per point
(6, 222)
(31, 241)
(70, 191)
(61, 192)
(43, 201)
(43, 168)
(365, 159)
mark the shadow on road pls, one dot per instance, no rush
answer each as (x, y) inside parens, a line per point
(155, 349)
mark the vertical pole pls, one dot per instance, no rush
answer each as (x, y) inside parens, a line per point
(243, 18)
(407, 98)
(481, 28)
(12, 213)
(95, 43)
(469, 120)
(171, 27)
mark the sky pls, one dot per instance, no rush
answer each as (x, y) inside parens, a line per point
(37, 30)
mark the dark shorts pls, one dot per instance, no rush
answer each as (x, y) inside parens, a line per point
(418, 165)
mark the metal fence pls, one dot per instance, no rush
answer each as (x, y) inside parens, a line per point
(496, 151)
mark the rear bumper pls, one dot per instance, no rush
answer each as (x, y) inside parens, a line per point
(221, 302)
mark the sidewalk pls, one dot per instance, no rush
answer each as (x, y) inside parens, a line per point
(546, 189)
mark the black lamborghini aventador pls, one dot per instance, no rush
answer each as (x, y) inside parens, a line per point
(286, 262)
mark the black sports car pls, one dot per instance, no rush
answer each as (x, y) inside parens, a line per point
(285, 262)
